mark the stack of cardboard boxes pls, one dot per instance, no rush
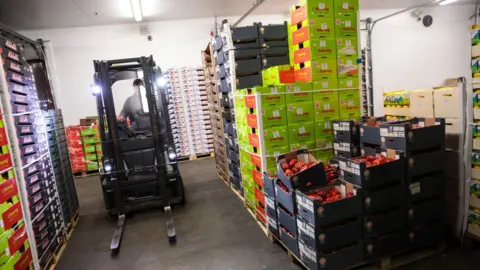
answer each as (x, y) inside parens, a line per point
(75, 148)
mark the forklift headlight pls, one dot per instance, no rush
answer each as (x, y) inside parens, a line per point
(96, 90)
(161, 81)
(107, 166)
(172, 155)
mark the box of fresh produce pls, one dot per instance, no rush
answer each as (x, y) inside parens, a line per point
(285, 196)
(288, 239)
(383, 223)
(346, 131)
(345, 149)
(329, 238)
(287, 220)
(370, 130)
(272, 224)
(384, 168)
(378, 200)
(426, 211)
(342, 258)
(329, 204)
(269, 186)
(414, 135)
(270, 207)
(426, 162)
(426, 187)
(300, 170)
(422, 235)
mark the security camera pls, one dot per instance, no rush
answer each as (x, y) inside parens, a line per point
(149, 38)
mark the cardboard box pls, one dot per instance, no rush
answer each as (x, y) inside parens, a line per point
(325, 84)
(266, 78)
(273, 137)
(324, 142)
(275, 97)
(347, 68)
(421, 103)
(300, 112)
(314, 49)
(298, 89)
(88, 121)
(346, 25)
(347, 47)
(349, 103)
(306, 179)
(281, 75)
(324, 128)
(271, 117)
(447, 103)
(310, 9)
(326, 108)
(316, 70)
(304, 145)
(300, 133)
(345, 6)
(314, 29)
(324, 155)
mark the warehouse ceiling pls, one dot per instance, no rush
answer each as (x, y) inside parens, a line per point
(42, 14)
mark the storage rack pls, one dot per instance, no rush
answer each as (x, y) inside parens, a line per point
(62, 166)
(189, 112)
(31, 155)
(363, 87)
(216, 118)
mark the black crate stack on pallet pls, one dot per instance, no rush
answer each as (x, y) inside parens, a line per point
(33, 166)
(423, 142)
(61, 165)
(346, 143)
(383, 193)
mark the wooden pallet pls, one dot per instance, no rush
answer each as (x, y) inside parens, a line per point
(85, 173)
(57, 255)
(291, 256)
(197, 157)
(72, 224)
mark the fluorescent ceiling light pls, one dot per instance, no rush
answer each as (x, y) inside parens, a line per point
(446, 2)
(136, 9)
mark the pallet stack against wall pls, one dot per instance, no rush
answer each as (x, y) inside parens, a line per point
(473, 226)
(31, 161)
(189, 112)
(216, 118)
(62, 167)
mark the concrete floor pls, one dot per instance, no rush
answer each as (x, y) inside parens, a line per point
(214, 231)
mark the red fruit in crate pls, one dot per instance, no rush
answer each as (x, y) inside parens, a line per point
(382, 161)
(390, 159)
(322, 194)
(311, 163)
(303, 168)
(371, 158)
(299, 164)
(284, 166)
(295, 170)
(376, 162)
(350, 194)
(288, 172)
(331, 181)
(369, 164)
(292, 162)
(309, 184)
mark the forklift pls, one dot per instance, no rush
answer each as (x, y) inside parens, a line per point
(139, 168)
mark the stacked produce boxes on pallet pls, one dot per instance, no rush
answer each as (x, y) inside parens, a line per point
(474, 202)
(62, 167)
(215, 113)
(92, 147)
(32, 158)
(75, 149)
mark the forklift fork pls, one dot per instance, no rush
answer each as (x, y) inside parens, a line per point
(118, 234)
(172, 235)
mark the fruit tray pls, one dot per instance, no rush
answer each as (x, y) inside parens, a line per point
(373, 171)
(379, 247)
(249, 81)
(288, 240)
(419, 134)
(287, 220)
(40, 196)
(329, 238)
(426, 187)
(13, 66)
(383, 199)
(383, 223)
(311, 177)
(346, 131)
(342, 258)
(340, 201)
(345, 149)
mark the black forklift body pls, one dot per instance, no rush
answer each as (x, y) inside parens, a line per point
(140, 168)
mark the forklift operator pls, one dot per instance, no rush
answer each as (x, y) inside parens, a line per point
(134, 111)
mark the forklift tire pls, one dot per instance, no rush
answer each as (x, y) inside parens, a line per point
(172, 239)
(112, 217)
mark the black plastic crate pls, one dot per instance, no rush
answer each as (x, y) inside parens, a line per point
(417, 135)
(270, 206)
(346, 131)
(240, 54)
(287, 220)
(273, 31)
(272, 224)
(34, 189)
(275, 51)
(249, 81)
(248, 66)
(357, 173)
(271, 61)
(383, 199)
(37, 208)
(234, 180)
(33, 179)
(38, 197)
(286, 199)
(269, 186)
(345, 149)
(221, 72)
(245, 37)
(225, 101)
(383, 223)
(343, 258)
(274, 43)
(386, 245)
(234, 168)
(422, 163)
(426, 211)
(424, 235)
(307, 179)
(322, 214)
(288, 240)
(426, 187)
(329, 238)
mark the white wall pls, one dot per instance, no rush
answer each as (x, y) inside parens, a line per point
(175, 44)
(407, 55)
